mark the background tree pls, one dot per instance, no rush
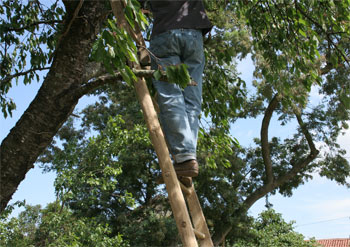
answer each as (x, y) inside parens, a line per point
(69, 49)
(106, 166)
(269, 229)
(55, 226)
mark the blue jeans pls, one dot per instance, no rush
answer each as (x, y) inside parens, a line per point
(179, 109)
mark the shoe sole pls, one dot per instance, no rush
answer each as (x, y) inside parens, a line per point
(187, 173)
(187, 181)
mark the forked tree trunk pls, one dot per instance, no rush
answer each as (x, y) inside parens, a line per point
(56, 98)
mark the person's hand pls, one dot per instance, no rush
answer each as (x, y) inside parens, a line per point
(145, 11)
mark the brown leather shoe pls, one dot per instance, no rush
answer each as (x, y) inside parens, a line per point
(187, 181)
(188, 168)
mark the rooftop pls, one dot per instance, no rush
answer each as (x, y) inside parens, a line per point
(335, 242)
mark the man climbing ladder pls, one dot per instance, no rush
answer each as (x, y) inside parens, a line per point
(177, 37)
(187, 229)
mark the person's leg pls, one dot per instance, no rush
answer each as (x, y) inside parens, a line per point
(173, 113)
(193, 57)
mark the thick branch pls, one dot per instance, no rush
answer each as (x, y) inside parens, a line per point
(72, 19)
(306, 133)
(297, 167)
(302, 163)
(265, 150)
(218, 237)
(266, 188)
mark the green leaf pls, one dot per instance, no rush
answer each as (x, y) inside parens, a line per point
(98, 51)
(126, 77)
(302, 21)
(111, 51)
(131, 74)
(178, 74)
(302, 32)
(157, 75)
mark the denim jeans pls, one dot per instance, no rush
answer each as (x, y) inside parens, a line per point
(179, 109)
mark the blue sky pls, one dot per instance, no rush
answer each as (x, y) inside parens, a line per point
(320, 208)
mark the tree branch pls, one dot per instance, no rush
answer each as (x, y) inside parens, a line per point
(269, 183)
(32, 25)
(108, 79)
(250, 200)
(306, 133)
(265, 150)
(8, 78)
(275, 183)
(328, 35)
(302, 163)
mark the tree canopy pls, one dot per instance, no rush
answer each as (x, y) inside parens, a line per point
(104, 161)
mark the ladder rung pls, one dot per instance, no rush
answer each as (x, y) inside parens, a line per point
(186, 190)
(199, 234)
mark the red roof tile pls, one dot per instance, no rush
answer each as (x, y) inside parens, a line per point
(336, 242)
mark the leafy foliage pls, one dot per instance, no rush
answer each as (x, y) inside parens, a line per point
(106, 166)
(270, 230)
(55, 226)
(114, 48)
(28, 32)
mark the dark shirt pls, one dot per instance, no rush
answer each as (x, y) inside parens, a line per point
(175, 14)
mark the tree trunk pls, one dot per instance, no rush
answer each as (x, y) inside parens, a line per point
(56, 98)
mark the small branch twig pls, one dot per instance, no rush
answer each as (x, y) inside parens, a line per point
(75, 14)
(10, 77)
(108, 79)
(32, 25)
(328, 34)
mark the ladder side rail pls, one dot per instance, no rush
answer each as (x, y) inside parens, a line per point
(198, 218)
(175, 195)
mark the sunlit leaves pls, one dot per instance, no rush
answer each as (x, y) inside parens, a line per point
(269, 229)
(178, 74)
(114, 48)
(28, 38)
(292, 35)
(95, 168)
(134, 15)
(56, 226)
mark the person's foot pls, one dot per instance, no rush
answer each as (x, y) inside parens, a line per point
(188, 168)
(184, 171)
(187, 181)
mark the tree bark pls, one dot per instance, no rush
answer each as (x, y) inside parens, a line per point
(56, 98)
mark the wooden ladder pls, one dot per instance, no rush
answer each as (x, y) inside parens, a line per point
(175, 189)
